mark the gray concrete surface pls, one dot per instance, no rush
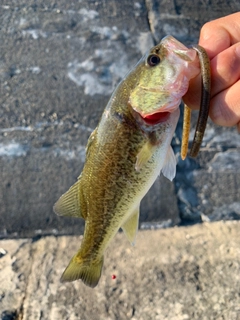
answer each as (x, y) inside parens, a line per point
(59, 62)
(174, 274)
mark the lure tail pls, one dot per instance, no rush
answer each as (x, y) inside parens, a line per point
(78, 269)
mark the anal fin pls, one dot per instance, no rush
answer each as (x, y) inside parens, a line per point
(130, 227)
(69, 204)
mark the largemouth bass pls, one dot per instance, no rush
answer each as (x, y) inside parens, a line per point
(126, 152)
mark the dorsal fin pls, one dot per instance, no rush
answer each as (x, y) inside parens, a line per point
(130, 227)
(91, 140)
(68, 204)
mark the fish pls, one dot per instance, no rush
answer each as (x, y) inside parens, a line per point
(126, 152)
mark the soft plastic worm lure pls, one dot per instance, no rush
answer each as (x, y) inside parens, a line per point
(204, 108)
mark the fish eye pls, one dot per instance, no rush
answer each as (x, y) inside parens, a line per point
(153, 60)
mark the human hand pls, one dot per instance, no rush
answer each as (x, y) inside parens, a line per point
(221, 40)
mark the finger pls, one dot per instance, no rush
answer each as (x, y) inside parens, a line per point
(225, 72)
(225, 69)
(216, 36)
(193, 96)
(225, 106)
(219, 34)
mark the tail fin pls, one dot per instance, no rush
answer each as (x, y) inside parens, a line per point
(88, 273)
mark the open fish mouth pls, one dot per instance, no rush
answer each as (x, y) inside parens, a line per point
(156, 118)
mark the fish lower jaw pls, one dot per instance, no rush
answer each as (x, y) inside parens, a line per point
(156, 118)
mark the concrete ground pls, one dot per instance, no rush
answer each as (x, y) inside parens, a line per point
(59, 62)
(177, 273)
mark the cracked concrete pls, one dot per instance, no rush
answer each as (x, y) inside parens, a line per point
(175, 273)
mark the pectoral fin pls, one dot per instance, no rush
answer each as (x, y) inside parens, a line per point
(69, 203)
(169, 167)
(130, 227)
(144, 155)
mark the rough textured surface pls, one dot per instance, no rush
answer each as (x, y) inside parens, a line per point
(174, 274)
(59, 63)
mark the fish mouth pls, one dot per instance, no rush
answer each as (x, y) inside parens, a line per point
(156, 118)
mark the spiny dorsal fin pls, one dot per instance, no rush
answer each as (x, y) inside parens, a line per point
(89, 274)
(91, 140)
(130, 227)
(68, 204)
(169, 167)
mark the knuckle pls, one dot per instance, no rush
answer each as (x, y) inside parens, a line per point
(206, 28)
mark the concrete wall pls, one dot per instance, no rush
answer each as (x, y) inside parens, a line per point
(59, 62)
